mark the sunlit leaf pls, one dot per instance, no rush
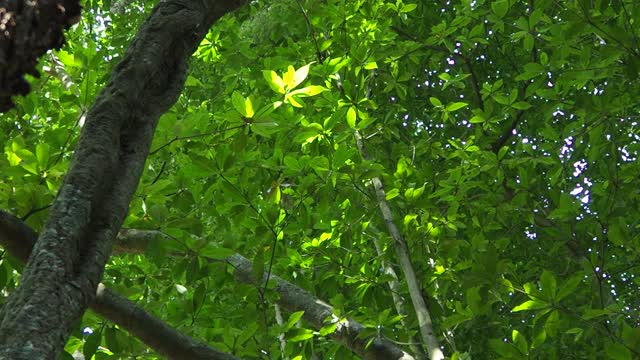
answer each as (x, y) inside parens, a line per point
(275, 82)
(530, 305)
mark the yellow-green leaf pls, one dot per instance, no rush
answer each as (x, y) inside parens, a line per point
(289, 77)
(371, 65)
(456, 105)
(248, 108)
(351, 117)
(300, 75)
(238, 102)
(530, 305)
(309, 90)
(392, 193)
(274, 81)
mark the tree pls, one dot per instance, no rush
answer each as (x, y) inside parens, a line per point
(336, 179)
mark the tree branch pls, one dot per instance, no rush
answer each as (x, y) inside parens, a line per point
(402, 252)
(19, 239)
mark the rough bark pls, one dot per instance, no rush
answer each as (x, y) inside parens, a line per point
(28, 29)
(424, 318)
(159, 336)
(67, 262)
(17, 237)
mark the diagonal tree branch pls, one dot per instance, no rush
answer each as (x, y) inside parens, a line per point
(394, 287)
(292, 299)
(19, 239)
(63, 272)
(402, 252)
(316, 312)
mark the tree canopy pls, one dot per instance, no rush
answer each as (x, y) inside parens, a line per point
(336, 179)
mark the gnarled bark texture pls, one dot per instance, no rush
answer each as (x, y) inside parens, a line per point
(67, 262)
(19, 239)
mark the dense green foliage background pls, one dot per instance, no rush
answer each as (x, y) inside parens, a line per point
(505, 133)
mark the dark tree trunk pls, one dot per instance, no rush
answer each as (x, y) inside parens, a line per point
(66, 265)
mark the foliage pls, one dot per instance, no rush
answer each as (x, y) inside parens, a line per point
(505, 132)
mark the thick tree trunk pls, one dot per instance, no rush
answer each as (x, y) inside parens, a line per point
(66, 265)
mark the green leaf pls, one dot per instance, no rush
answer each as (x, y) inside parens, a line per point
(239, 103)
(569, 286)
(275, 82)
(520, 341)
(300, 76)
(530, 305)
(265, 127)
(566, 208)
(539, 338)
(351, 117)
(617, 233)
(477, 119)
(192, 81)
(501, 99)
(300, 335)
(435, 101)
(456, 105)
(534, 68)
(617, 351)
(528, 42)
(408, 8)
(328, 329)
(392, 193)
(371, 65)
(504, 349)
(111, 339)
(293, 320)
(91, 344)
(548, 284)
(42, 154)
(309, 90)
(502, 152)
(594, 313)
(521, 105)
(500, 7)
(413, 193)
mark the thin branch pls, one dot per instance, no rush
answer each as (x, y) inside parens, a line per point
(194, 136)
(424, 318)
(474, 80)
(164, 164)
(313, 33)
(33, 211)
